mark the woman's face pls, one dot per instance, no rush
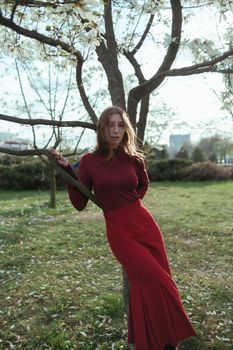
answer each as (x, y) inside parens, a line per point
(115, 130)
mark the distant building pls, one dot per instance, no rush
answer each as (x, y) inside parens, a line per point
(177, 142)
(11, 141)
(17, 145)
(5, 136)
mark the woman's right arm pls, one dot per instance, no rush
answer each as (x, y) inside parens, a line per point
(78, 200)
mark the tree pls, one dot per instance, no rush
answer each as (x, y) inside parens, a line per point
(216, 146)
(213, 157)
(182, 153)
(197, 155)
(84, 32)
(154, 152)
(207, 145)
(164, 153)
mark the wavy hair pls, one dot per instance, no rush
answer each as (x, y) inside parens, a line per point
(129, 141)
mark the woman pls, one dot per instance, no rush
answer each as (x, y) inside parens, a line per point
(116, 172)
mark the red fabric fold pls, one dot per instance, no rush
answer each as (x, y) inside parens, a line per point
(156, 315)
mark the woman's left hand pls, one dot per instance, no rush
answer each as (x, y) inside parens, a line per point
(60, 159)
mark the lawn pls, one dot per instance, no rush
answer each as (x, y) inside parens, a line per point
(61, 287)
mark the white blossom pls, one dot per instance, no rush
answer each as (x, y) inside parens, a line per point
(91, 38)
(166, 40)
(85, 9)
(202, 49)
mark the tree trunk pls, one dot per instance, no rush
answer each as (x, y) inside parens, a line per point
(125, 292)
(141, 125)
(52, 203)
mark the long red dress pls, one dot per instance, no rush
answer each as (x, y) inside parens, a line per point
(156, 315)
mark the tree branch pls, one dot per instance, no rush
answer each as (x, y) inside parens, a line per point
(35, 3)
(109, 60)
(143, 37)
(83, 94)
(141, 79)
(48, 122)
(206, 66)
(33, 34)
(141, 125)
(136, 66)
(182, 72)
(110, 35)
(136, 94)
(25, 100)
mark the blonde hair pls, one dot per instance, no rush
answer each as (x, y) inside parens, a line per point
(129, 141)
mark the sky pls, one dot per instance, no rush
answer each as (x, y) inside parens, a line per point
(196, 107)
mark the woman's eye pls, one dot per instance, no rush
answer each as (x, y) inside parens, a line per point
(119, 125)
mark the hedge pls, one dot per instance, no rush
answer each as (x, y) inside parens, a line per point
(26, 176)
(29, 176)
(168, 169)
(34, 175)
(209, 171)
(183, 169)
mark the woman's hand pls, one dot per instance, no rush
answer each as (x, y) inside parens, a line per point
(59, 158)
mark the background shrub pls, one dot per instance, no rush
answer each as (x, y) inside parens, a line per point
(34, 175)
(27, 176)
(24, 176)
(184, 169)
(209, 171)
(168, 169)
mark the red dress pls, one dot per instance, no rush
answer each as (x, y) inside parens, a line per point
(156, 314)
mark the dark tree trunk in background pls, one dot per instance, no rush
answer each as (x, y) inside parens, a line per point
(125, 292)
(52, 203)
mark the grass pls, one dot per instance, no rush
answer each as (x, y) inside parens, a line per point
(61, 286)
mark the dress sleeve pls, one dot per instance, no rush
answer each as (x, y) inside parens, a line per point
(143, 179)
(78, 200)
